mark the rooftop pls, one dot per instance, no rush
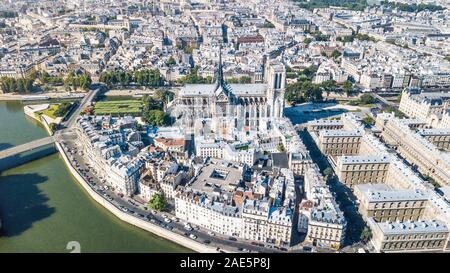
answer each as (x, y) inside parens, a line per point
(385, 193)
(218, 176)
(411, 227)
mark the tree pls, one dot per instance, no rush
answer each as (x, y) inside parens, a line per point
(411, 7)
(366, 235)
(9, 85)
(145, 77)
(368, 121)
(171, 61)
(281, 148)
(63, 108)
(366, 99)
(347, 87)
(245, 79)
(157, 202)
(268, 24)
(329, 85)
(321, 37)
(157, 118)
(349, 4)
(391, 109)
(53, 127)
(150, 103)
(193, 77)
(69, 80)
(398, 98)
(328, 172)
(305, 90)
(84, 81)
(336, 54)
(164, 95)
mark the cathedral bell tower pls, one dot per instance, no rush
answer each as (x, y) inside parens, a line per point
(275, 78)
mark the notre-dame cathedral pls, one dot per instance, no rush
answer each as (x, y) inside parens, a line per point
(242, 107)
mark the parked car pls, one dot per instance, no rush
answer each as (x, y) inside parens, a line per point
(307, 248)
(232, 239)
(192, 236)
(210, 233)
(169, 227)
(206, 241)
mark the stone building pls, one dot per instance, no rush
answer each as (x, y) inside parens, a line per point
(423, 235)
(384, 203)
(233, 106)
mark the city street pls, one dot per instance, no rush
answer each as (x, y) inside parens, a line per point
(132, 207)
(344, 196)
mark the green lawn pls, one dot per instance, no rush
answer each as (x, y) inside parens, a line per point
(118, 107)
(50, 111)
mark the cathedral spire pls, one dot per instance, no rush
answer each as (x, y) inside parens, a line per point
(220, 69)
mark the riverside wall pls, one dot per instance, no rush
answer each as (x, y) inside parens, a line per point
(155, 229)
(41, 120)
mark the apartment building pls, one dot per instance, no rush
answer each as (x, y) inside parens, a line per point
(423, 235)
(353, 170)
(319, 216)
(384, 203)
(324, 124)
(339, 142)
(445, 121)
(416, 148)
(419, 104)
(100, 138)
(227, 198)
(440, 138)
(299, 162)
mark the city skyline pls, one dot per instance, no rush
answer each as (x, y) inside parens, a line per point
(253, 126)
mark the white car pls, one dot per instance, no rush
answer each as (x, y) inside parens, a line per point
(167, 220)
(192, 236)
(210, 233)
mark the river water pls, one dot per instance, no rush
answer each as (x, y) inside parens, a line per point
(43, 208)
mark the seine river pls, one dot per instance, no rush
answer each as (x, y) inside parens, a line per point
(43, 208)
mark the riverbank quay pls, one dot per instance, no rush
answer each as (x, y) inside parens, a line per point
(148, 226)
(41, 96)
(30, 111)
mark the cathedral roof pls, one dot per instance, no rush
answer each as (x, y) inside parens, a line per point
(198, 90)
(210, 90)
(221, 87)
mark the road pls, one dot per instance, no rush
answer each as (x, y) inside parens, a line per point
(383, 100)
(26, 147)
(344, 196)
(139, 210)
(84, 102)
